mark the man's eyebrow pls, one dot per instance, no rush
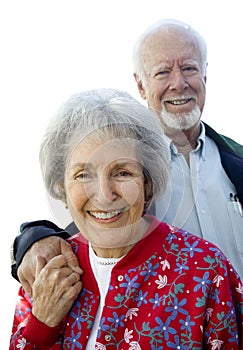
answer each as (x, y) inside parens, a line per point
(165, 66)
(159, 67)
(191, 61)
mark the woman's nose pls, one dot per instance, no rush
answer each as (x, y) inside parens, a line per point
(105, 190)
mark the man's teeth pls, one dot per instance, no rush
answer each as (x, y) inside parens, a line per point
(107, 215)
(179, 102)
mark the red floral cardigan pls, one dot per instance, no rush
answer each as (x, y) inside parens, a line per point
(173, 290)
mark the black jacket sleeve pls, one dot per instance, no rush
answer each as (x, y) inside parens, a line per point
(31, 232)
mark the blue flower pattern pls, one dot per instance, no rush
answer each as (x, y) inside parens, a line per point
(163, 303)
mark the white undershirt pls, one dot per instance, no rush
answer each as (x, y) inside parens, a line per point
(102, 271)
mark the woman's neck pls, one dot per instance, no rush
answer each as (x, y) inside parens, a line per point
(117, 252)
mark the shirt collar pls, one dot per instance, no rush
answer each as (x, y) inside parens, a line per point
(200, 144)
(201, 141)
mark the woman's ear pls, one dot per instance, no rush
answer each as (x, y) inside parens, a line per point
(61, 193)
(148, 191)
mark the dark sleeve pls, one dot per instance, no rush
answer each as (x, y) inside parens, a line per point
(31, 232)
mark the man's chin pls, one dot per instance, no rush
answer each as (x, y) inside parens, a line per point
(180, 122)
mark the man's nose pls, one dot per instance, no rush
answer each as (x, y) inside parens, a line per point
(177, 80)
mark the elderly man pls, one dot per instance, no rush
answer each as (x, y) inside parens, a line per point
(205, 190)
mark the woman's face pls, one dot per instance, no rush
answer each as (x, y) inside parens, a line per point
(104, 187)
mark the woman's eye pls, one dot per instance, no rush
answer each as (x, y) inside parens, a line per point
(123, 173)
(83, 176)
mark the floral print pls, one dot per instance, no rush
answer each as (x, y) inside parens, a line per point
(173, 290)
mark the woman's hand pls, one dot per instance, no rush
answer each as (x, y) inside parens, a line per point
(55, 288)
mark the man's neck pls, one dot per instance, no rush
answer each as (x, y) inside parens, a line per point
(184, 140)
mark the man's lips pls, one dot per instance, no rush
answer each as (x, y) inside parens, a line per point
(178, 102)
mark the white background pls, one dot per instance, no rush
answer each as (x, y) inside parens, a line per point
(51, 49)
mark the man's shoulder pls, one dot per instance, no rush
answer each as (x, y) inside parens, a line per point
(224, 142)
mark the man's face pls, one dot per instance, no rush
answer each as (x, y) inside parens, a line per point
(174, 83)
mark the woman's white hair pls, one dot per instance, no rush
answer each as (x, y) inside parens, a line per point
(108, 111)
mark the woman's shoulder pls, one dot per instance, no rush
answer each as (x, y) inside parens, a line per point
(186, 240)
(188, 249)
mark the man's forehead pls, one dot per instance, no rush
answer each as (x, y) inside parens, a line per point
(161, 39)
(163, 48)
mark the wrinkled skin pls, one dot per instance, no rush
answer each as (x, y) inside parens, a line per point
(55, 288)
(45, 249)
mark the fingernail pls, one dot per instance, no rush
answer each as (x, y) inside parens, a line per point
(78, 270)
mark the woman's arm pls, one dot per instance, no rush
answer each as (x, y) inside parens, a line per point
(39, 322)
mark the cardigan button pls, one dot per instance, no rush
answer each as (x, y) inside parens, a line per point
(107, 337)
(120, 278)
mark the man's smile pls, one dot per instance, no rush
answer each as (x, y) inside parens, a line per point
(177, 102)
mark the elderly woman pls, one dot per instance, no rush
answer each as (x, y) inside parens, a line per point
(144, 284)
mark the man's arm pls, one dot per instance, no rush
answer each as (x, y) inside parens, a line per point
(29, 233)
(39, 238)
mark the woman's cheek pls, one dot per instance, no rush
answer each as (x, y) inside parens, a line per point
(76, 196)
(132, 192)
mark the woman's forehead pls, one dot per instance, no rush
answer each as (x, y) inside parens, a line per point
(94, 148)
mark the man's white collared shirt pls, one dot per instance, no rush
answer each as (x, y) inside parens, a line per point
(197, 199)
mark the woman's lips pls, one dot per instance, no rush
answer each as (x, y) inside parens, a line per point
(106, 215)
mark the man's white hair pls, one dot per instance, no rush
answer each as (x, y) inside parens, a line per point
(166, 25)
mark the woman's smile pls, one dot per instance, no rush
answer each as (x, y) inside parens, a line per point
(105, 189)
(106, 216)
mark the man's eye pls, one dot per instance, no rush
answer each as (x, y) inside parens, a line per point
(162, 72)
(189, 69)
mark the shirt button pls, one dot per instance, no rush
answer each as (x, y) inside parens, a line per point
(120, 278)
(203, 211)
(107, 337)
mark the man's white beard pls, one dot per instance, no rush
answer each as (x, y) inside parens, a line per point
(180, 121)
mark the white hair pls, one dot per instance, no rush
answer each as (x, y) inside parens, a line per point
(166, 25)
(103, 111)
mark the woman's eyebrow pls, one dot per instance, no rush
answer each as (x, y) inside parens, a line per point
(81, 165)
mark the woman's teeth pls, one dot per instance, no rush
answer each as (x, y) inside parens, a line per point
(105, 215)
